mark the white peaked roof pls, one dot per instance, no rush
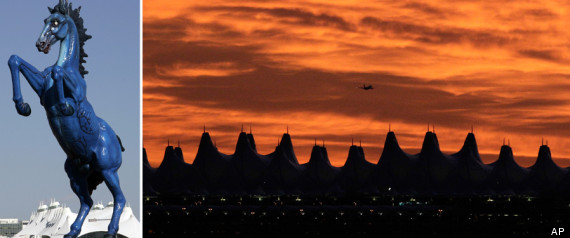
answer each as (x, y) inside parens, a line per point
(99, 218)
(54, 221)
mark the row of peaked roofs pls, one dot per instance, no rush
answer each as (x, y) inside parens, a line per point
(428, 173)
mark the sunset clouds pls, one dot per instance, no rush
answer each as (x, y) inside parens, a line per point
(502, 67)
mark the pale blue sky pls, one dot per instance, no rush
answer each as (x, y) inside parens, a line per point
(31, 161)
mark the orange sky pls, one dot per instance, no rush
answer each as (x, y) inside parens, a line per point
(502, 66)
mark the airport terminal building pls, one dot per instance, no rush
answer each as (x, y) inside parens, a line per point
(53, 221)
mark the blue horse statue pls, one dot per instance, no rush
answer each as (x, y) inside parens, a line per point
(93, 149)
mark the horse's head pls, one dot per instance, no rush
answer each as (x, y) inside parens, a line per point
(56, 26)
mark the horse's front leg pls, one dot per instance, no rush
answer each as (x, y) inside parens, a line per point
(35, 78)
(59, 76)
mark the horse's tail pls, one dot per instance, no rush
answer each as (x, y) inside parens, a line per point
(121, 143)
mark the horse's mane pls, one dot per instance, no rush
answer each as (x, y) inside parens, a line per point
(68, 10)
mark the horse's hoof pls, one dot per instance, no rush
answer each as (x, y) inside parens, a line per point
(23, 109)
(72, 234)
(109, 236)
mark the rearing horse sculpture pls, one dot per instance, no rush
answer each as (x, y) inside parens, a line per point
(93, 150)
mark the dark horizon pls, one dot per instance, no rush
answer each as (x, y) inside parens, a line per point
(430, 171)
(487, 158)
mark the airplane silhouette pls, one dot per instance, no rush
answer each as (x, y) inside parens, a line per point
(364, 87)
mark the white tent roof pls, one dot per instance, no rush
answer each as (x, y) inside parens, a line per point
(54, 222)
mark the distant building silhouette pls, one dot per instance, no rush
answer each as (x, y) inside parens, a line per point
(429, 172)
